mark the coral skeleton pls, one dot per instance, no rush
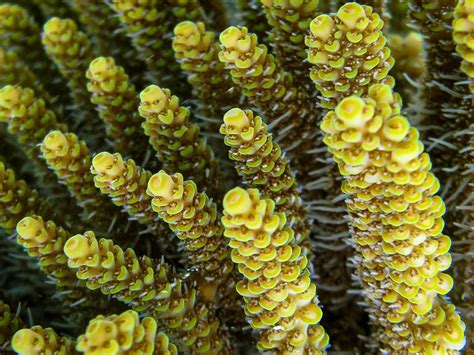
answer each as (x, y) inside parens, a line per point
(263, 177)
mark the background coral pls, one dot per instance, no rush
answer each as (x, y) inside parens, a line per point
(233, 148)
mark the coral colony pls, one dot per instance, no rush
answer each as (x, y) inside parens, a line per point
(236, 177)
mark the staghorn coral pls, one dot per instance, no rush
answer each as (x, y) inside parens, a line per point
(194, 219)
(39, 340)
(348, 53)
(120, 45)
(17, 200)
(280, 299)
(261, 164)
(71, 51)
(116, 101)
(70, 160)
(272, 90)
(290, 21)
(21, 34)
(396, 223)
(197, 51)
(155, 289)
(175, 139)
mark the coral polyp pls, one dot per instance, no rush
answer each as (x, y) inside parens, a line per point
(236, 177)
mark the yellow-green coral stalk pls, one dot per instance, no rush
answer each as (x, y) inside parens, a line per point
(72, 52)
(39, 340)
(290, 21)
(125, 184)
(271, 89)
(147, 24)
(396, 223)
(175, 139)
(13, 71)
(45, 242)
(194, 219)
(280, 298)
(262, 165)
(101, 23)
(27, 117)
(17, 200)
(9, 324)
(124, 334)
(20, 33)
(117, 103)
(146, 286)
(71, 160)
(348, 53)
(463, 35)
(198, 52)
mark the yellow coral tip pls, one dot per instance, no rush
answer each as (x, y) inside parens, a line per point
(9, 96)
(76, 247)
(29, 228)
(55, 24)
(322, 26)
(106, 163)
(350, 13)
(152, 93)
(237, 201)
(26, 341)
(55, 140)
(230, 36)
(185, 28)
(161, 185)
(101, 331)
(350, 109)
(100, 65)
(236, 118)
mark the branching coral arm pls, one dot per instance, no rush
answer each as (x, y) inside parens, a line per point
(463, 35)
(348, 53)
(266, 85)
(21, 34)
(396, 223)
(72, 52)
(281, 301)
(197, 51)
(70, 159)
(17, 200)
(262, 165)
(194, 219)
(117, 103)
(289, 21)
(175, 139)
(147, 286)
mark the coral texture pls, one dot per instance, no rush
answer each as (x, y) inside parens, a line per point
(280, 299)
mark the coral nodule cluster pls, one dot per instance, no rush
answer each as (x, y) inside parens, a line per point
(236, 177)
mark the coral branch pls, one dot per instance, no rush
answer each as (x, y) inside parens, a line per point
(290, 21)
(117, 103)
(9, 324)
(348, 53)
(396, 223)
(146, 286)
(280, 299)
(175, 139)
(262, 165)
